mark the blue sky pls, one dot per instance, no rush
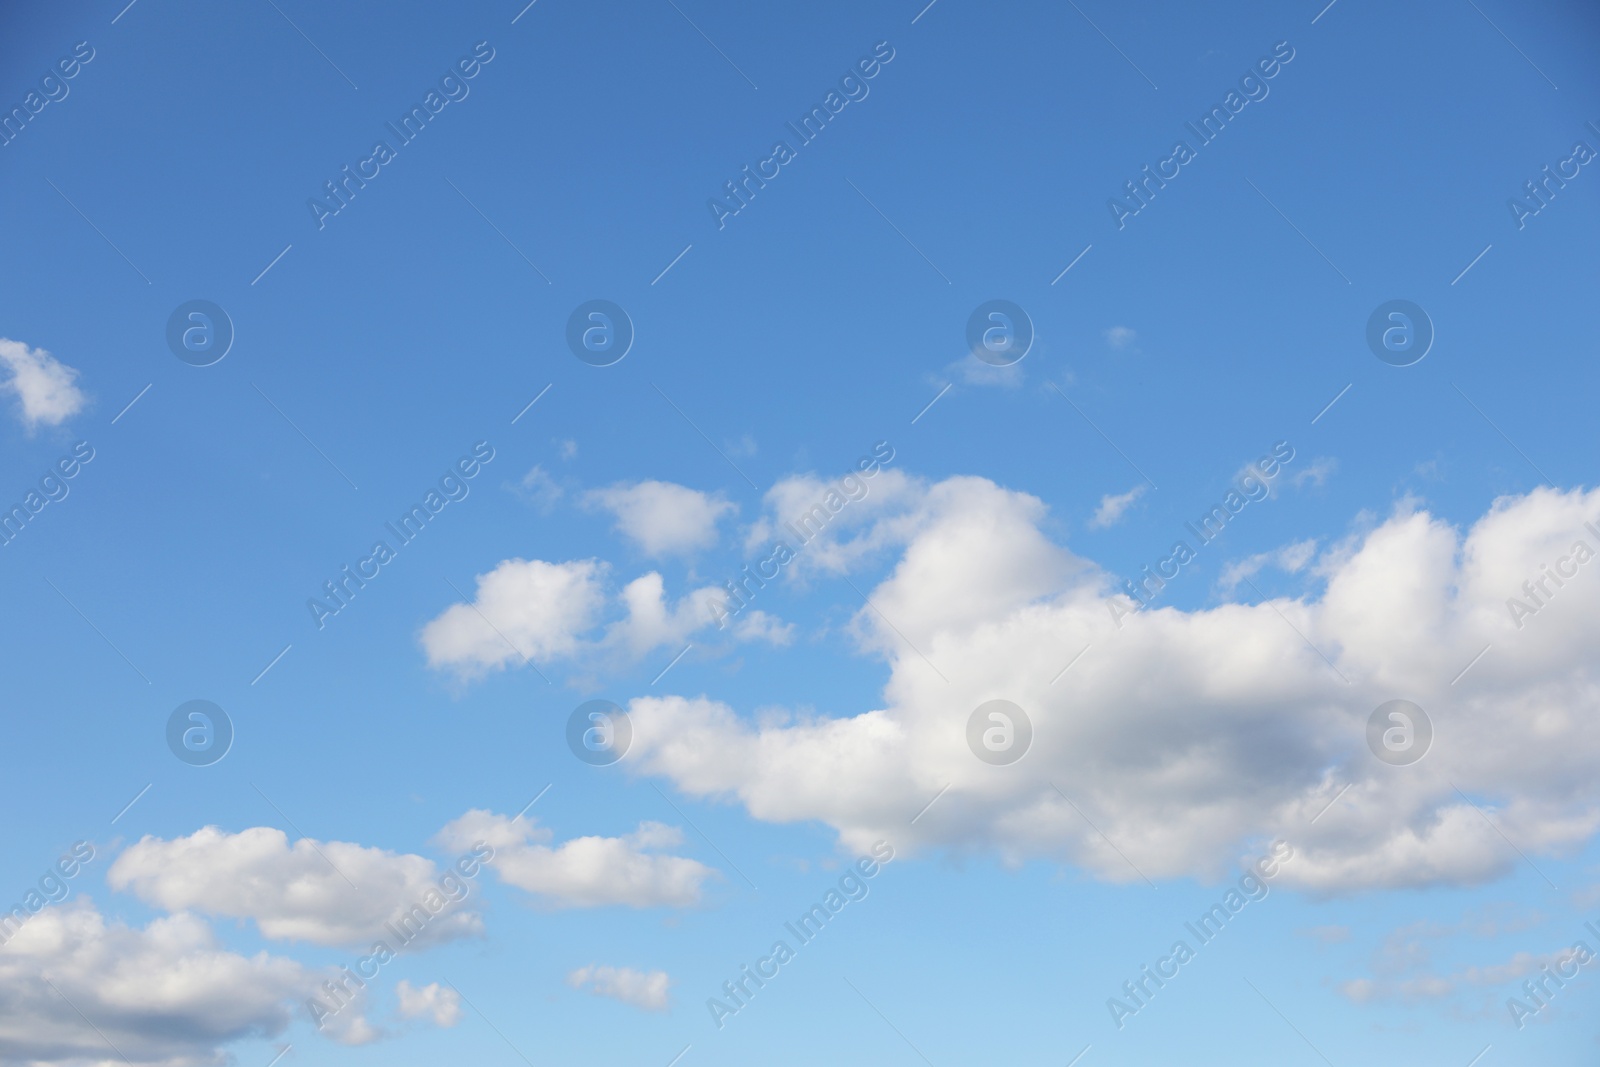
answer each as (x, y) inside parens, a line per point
(977, 551)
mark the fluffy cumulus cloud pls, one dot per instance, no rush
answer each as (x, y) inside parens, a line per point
(651, 622)
(833, 525)
(1187, 736)
(78, 989)
(585, 871)
(524, 609)
(326, 893)
(642, 989)
(662, 518)
(433, 1002)
(45, 388)
(534, 612)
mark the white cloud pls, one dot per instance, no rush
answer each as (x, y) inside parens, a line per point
(1120, 337)
(974, 371)
(1316, 473)
(434, 1001)
(166, 994)
(1187, 736)
(43, 384)
(1291, 558)
(584, 872)
(540, 490)
(650, 622)
(533, 611)
(662, 518)
(833, 526)
(304, 892)
(1112, 508)
(757, 625)
(1403, 966)
(523, 609)
(568, 448)
(647, 990)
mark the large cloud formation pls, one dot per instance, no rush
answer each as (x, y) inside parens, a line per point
(79, 988)
(1181, 736)
(166, 995)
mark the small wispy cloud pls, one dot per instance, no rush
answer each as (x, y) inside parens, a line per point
(44, 385)
(1113, 507)
(642, 989)
(1290, 558)
(432, 1001)
(539, 489)
(1120, 337)
(1316, 474)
